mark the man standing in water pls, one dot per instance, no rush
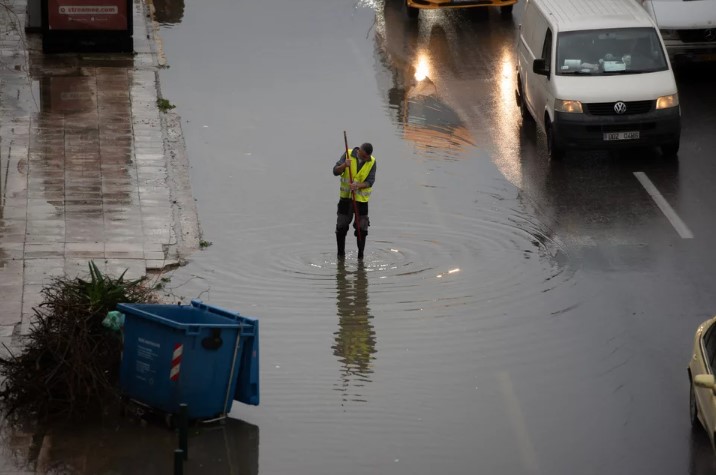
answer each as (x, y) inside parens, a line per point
(362, 169)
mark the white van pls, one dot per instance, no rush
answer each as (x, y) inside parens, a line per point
(594, 74)
(687, 27)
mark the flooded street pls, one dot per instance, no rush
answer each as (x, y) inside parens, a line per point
(511, 316)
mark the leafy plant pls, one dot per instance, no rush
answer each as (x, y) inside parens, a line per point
(69, 364)
(164, 105)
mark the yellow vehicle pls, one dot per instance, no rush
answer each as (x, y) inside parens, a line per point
(702, 394)
(414, 6)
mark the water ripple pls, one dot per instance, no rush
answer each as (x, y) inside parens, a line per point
(489, 261)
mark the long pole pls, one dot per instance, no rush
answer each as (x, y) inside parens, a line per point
(353, 193)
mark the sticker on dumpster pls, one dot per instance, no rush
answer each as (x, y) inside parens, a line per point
(147, 352)
(176, 362)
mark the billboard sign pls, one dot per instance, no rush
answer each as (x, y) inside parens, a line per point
(105, 15)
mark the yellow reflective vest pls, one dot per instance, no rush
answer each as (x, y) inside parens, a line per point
(362, 195)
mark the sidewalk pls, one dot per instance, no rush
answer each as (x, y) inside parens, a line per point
(90, 169)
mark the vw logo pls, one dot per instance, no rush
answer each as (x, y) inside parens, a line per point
(709, 35)
(620, 107)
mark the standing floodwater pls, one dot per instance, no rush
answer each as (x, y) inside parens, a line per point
(511, 315)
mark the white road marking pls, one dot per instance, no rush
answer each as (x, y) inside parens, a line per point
(514, 412)
(664, 206)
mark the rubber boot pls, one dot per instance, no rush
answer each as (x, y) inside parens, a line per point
(341, 242)
(361, 246)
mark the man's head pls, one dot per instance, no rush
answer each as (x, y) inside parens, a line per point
(366, 150)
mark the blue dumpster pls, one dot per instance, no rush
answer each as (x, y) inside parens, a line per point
(199, 355)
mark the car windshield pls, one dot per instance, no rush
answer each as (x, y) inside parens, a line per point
(608, 52)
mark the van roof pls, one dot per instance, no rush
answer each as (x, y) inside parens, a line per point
(570, 15)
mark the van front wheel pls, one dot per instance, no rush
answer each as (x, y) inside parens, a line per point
(670, 150)
(555, 151)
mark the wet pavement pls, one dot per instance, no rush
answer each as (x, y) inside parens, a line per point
(90, 169)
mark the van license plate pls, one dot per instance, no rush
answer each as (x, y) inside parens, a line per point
(621, 135)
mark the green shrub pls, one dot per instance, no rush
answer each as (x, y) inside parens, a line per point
(69, 363)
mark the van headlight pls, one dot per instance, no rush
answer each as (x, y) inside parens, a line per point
(665, 102)
(562, 105)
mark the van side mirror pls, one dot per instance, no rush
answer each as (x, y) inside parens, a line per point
(705, 381)
(540, 66)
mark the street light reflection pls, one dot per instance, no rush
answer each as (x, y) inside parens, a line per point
(422, 67)
(451, 271)
(419, 57)
(506, 137)
(507, 78)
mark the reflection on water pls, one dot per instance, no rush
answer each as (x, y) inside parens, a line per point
(435, 68)
(355, 339)
(435, 128)
(231, 448)
(414, 56)
(506, 131)
(127, 447)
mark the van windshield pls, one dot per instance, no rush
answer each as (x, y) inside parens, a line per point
(608, 52)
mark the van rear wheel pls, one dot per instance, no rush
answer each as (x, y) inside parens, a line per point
(520, 96)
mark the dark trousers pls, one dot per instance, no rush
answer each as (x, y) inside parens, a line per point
(345, 216)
